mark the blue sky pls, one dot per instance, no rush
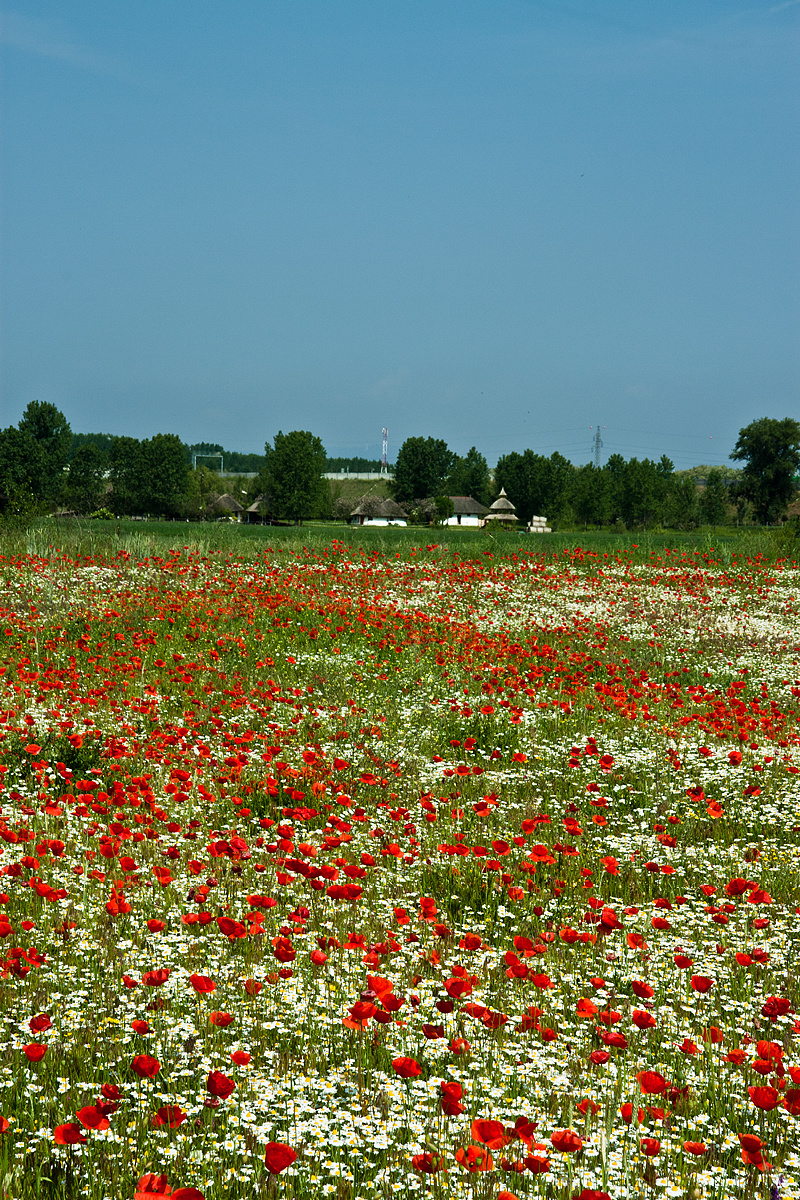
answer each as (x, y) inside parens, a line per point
(497, 223)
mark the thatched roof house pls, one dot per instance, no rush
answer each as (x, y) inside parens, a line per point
(226, 506)
(372, 511)
(466, 511)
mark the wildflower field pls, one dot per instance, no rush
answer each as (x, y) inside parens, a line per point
(351, 872)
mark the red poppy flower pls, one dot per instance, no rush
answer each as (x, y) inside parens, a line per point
(171, 1115)
(221, 1019)
(427, 1163)
(202, 984)
(240, 1058)
(651, 1082)
(651, 1147)
(537, 1164)
(150, 1186)
(567, 1141)
(187, 1193)
(278, 1156)
(406, 1068)
(40, 1024)
(219, 1084)
(765, 1097)
(451, 1097)
(156, 978)
(490, 1133)
(643, 1020)
(156, 926)
(701, 983)
(140, 1027)
(4, 1125)
(34, 1051)
(696, 1148)
(145, 1066)
(70, 1134)
(474, 1158)
(93, 1117)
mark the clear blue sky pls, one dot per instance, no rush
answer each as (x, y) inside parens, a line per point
(499, 223)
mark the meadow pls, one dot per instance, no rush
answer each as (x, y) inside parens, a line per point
(368, 864)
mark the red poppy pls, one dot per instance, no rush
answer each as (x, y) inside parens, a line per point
(140, 1027)
(696, 1148)
(156, 978)
(406, 1068)
(451, 1097)
(427, 1163)
(701, 983)
(4, 1125)
(219, 1084)
(40, 1024)
(156, 926)
(202, 984)
(145, 1066)
(221, 1019)
(765, 1097)
(70, 1134)
(651, 1082)
(240, 1058)
(278, 1156)
(171, 1115)
(475, 1158)
(643, 1020)
(34, 1051)
(651, 1147)
(187, 1193)
(567, 1141)
(152, 1185)
(537, 1164)
(490, 1133)
(93, 1116)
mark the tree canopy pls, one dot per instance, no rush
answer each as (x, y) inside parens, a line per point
(422, 468)
(292, 476)
(770, 450)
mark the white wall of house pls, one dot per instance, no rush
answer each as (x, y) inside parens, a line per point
(473, 522)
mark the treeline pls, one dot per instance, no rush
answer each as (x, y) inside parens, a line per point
(43, 465)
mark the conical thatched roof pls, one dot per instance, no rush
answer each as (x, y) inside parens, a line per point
(502, 509)
(502, 503)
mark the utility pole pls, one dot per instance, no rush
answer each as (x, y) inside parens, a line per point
(597, 442)
(385, 453)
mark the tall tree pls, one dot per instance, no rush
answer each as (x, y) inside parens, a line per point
(713, 500)
(770, 450)
(470, 477)
(422, 468)
(49, 431)
(165, 474)
(292, 476)
(126, 471)
(85, 482)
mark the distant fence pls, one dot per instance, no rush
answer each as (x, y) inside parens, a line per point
(357, 475)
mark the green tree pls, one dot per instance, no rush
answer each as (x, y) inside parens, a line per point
(535, 484)
(85, 484)
(165, 474)
(591, 495)
(49, 431)
(469, 476)
(292, 476)
(713, 500)
(423, 465)
(682, 508)
(126, 472)
(770, 450)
